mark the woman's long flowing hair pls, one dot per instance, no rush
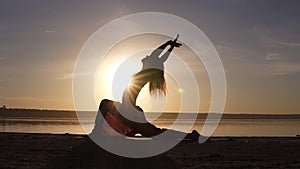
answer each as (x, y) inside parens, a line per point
(156, 79)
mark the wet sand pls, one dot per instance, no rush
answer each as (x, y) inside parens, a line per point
(64, 151)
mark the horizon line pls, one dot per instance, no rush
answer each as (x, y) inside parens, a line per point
(169, 112)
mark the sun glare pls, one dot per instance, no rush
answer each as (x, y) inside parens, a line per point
(121, 78)
(113, 77)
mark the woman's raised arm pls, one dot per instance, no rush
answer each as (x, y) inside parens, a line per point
(173, 44)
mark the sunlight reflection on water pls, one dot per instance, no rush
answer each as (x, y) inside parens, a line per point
(227, 127)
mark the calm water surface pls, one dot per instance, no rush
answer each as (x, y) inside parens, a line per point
(227, 127)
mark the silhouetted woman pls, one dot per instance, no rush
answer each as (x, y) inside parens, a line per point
(128, 118)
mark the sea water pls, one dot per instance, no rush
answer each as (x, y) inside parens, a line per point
(226, 127)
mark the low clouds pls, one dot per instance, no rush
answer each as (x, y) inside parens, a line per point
(290, 44)
(256, 64)
(278, 69)
(5, 80)
(64, 76)
(50, 31)
(272, 56)
(277, 66)
(23, 98)
(271, 69)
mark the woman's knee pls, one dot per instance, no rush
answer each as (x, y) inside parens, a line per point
(104, 106)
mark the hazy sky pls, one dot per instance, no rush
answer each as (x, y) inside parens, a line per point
(258, 42)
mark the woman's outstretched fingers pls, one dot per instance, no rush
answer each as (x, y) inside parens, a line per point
(176, 44)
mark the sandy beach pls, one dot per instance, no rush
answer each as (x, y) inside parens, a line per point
(30, 151)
